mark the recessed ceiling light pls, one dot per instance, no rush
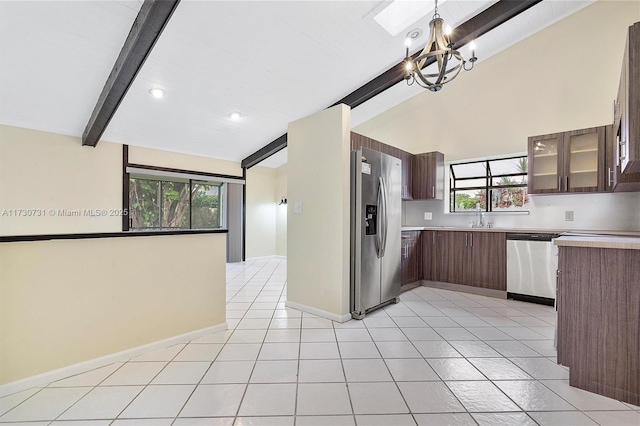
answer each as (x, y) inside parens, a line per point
(156, 93)
(235, 115)
(400, 14)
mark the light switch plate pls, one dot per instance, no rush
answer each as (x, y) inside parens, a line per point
(297, 207)
(568, 215)
(428, 215)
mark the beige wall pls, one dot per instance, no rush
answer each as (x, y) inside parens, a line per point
(64, 302)
(47, 173)
(80, 299)
(261, 212)
(154, 157)
(281, 211)
(562, 78)
(318, 239)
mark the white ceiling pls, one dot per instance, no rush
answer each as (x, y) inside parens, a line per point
(275, 62)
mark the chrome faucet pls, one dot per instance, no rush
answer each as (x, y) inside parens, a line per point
(480, 223)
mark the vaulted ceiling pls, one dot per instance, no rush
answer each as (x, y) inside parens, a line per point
(274, 62)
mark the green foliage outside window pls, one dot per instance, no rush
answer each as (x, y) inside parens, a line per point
(494, 185)
(163, 204)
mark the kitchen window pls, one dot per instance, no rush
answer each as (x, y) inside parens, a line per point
(157, 203)
(498, 185)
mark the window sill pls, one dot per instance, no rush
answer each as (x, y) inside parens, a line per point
(503, 213)
(47, 237)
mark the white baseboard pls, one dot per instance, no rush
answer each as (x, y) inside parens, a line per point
(251, 259)
(92, 364)
(318, 312)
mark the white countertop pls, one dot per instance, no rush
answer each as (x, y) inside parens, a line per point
(599, 241)
(522, 230)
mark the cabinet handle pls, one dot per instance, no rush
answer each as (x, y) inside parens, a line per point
(471, 239)
(433, 238)
(610, 176)
(466, 239)
(559, 183)
(622, 143)
(558, 272)
(566, 183)
(433, 192)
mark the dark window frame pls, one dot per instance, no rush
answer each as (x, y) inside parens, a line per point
(190, 182)
(487, 187)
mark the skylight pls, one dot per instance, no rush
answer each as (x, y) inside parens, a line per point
(400, 14)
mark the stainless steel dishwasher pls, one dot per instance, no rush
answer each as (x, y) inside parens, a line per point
(532, 261)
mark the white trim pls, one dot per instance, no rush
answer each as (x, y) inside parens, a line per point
(318, 312)
(280, 257)
(252, 259)
(84, 366)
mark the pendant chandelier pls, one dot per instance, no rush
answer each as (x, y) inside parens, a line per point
(448, 60)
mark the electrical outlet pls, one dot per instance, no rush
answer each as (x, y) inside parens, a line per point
(297, 207)
(428, 216)
(568, 215)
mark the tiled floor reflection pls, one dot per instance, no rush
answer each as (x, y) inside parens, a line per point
(437, 358)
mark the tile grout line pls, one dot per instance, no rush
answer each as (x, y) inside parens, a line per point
(369, 329)
(255, 363)
(344, 374)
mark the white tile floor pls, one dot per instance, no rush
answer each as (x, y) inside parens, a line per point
(437, 358)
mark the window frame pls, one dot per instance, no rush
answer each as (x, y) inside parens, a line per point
(487, 187)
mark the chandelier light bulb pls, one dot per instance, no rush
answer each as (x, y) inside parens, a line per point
(473, 58)
(407, 42)
(235, 116)
(409, 65)
(448, 30)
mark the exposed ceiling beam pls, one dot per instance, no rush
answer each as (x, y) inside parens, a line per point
(485, 21)
(265, 152)
(145, 31)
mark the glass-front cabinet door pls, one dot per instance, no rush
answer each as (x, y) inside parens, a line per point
(584, 160)
(567, 162)
(545, 164)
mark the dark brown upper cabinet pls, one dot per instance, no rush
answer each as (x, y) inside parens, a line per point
(567, 162)
(627, 114)
(616, 180)
(428, 176)
(358, 140)
(407, 176)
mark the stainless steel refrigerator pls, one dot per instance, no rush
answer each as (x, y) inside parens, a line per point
(376, 203)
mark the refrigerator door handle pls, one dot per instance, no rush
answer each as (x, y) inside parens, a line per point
(379, 219)
(383, 217)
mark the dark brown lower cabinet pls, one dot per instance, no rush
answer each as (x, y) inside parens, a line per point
(411, 256)
(451, 258)
(599, 320)
(473, 258)
(488, 258)
(428, 249)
